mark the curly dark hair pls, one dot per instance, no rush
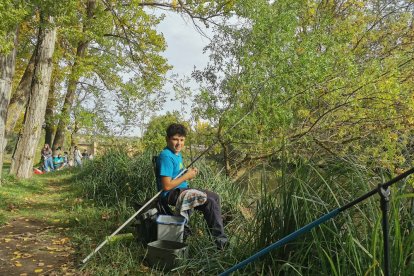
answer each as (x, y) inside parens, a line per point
(174, 129)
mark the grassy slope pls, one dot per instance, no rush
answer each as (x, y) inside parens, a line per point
(52, 198)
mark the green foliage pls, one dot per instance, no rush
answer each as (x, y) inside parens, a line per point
(154, 136)
(11, 14)
(119, 70)
(317, 79)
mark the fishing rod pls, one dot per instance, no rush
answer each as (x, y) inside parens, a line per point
(158, 194)
(316, 223)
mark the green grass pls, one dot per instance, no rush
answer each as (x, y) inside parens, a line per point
(14, 196)
(53, 199)
(93, 202)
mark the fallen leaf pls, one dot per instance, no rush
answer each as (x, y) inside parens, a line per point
(18, 264)
(23, 274)
(105, 216)
(61, 241)
(40, 264)
(7, 240)
(16, 257)
(38, 270)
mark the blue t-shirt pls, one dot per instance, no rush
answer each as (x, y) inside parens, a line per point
(169, 164)
(57, 160)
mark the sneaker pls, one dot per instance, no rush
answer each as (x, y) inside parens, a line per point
(221, 243)
(187, 232)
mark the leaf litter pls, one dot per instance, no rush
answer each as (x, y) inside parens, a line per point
(34, 248)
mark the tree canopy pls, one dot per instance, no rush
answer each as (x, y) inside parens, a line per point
(323, 78)
(316, 78)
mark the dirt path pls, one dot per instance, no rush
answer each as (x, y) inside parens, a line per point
(32, 244)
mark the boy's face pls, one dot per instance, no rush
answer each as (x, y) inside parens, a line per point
(176, 143)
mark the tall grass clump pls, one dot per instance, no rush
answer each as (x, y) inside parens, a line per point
(203, 257)
(349, 244)
(116, 179)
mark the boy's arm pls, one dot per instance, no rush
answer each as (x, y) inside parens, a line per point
(168, 183)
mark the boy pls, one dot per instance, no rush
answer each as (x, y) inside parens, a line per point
(170, 164)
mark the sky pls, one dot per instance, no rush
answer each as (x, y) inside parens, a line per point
(184, 51)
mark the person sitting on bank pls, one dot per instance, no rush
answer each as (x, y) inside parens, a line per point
(85, 155)
(170, 164)
(58, 162)
(47, 158)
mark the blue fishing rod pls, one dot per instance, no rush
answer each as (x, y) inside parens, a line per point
(382, 189)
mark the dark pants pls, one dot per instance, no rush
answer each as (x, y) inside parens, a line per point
(211, 210)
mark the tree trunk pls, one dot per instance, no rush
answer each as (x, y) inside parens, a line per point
(23, 157)
(50, 126)
(19, 98)
(72, 83)
(7, 65)
(66, 109)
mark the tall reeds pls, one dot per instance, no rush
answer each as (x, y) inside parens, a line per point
(116, 179)
(287, 198)
(349, 244)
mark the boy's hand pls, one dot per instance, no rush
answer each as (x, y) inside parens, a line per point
(191, 173)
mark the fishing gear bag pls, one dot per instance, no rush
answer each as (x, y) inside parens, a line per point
(146, 226)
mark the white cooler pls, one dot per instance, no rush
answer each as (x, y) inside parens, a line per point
(170, 228)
